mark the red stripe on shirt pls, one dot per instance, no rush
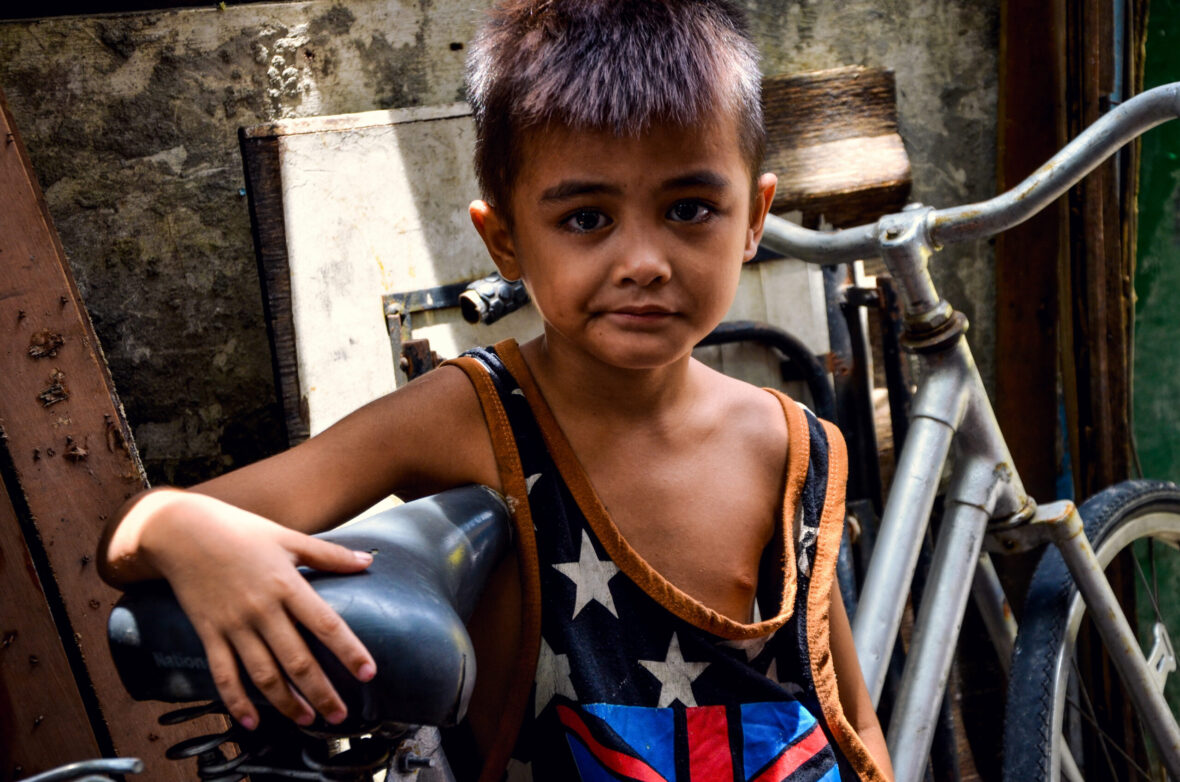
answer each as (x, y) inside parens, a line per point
(708, 744)
(795, 756)
(633, 768)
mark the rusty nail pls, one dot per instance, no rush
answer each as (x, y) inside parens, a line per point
(36, 454)
(50, 452)
(9, 138)
(9, 637)
(38, 720)
(85, 560)
(153, 737)
(20, 314)
(94, 604)
(63, 301)
(33, 659)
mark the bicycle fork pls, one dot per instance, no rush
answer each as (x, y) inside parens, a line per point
(1060, 523)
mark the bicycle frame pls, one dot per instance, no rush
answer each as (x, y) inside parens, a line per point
(985, 494)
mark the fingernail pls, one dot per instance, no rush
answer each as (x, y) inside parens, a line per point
(337, 717)
(366, 672)
(247, 721)
(363, 557)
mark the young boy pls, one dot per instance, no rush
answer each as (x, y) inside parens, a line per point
(669, 611)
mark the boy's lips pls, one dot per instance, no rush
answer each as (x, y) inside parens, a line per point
(643, 311)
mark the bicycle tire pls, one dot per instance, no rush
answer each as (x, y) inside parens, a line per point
(1043, 667)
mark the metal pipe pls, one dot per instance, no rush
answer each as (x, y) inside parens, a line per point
(911, 731)
(1070, 164)
(907, 512)
(794, 241)
(989, 597)
(1118, 638)
(91, 767)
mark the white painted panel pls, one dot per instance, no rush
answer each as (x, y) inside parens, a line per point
(376, 203)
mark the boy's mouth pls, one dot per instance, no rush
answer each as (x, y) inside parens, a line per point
(644, 311)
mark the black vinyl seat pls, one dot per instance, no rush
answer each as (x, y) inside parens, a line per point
(431, 560)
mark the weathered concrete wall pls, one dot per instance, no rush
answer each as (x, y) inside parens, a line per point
(131, 120)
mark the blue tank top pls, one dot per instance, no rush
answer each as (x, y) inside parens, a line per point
(625, 677)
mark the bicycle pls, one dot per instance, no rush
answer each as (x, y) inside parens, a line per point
(986, 502)
(986, 499)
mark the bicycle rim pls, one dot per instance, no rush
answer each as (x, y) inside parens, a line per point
(1065, 704)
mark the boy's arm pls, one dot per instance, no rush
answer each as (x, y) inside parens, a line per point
(230, 547)
(854, 695)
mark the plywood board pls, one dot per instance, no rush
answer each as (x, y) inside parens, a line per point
(66, 454)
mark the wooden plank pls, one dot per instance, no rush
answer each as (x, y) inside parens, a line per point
(70, 461)
(832, 139)
(1099, 269)
(260, 157)
(43, 721)
(1030, 130)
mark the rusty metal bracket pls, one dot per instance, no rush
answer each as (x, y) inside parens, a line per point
(1030, 527)
(417, 358)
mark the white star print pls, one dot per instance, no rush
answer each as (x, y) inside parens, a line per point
(529, 481)
(553, 677)
(806, 538)
(591, 575)
(519, 772)
(791, 688)
(675, 675)
(751, 646)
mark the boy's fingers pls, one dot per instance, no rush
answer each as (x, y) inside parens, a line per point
(262, 669)
(223, 667)
(322, 555)
(303, 669)
(310, 610)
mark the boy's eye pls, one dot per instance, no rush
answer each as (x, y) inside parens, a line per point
(586, 220)
(689, 212)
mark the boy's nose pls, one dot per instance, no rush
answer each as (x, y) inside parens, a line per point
(643, 263)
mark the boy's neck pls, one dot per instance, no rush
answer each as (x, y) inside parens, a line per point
(572, 381)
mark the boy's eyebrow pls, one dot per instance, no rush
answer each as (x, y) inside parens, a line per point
(572, 188)
(704, 177)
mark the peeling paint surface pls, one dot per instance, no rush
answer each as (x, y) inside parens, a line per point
(131, 123)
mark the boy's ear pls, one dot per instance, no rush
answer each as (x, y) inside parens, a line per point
(496, 237)
(763, 198)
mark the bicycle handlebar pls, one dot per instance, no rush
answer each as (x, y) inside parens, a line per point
(974, 221)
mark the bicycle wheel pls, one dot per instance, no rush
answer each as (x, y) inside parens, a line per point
(1066, 719)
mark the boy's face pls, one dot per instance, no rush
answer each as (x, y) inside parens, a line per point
(631, 248)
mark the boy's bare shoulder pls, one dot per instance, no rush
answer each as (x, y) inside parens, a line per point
(751, 412)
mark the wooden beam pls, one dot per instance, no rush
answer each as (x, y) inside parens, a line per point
(66, 457)
(44, 721)
(1030, 129)
(832, 140)
(1097, 310)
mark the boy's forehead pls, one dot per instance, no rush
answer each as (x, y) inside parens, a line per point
(556, 151)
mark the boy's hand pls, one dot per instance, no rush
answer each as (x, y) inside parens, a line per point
(234, 574)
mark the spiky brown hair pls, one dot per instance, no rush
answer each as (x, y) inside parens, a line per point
(615, 65)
